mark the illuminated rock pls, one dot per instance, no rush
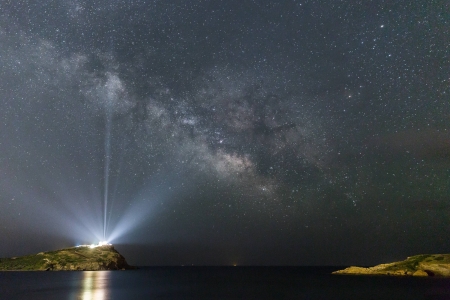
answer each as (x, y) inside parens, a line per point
(81, 258)
(419, 265)
(420, 273)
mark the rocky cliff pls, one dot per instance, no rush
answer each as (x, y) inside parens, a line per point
(419, 265)
(81, 258)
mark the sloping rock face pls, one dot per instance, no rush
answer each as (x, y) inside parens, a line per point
(419, 265)
(81, 258)
(438, 269)
(420, 273)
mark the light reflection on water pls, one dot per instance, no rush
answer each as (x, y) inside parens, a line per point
(174, 283)
(94, 285)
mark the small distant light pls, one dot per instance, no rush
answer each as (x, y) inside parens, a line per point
(103, 243)
(92, 246)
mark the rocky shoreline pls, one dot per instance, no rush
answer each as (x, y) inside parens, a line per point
(418, 265)
(81, 258)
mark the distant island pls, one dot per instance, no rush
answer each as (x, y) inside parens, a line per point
(418, 265)
(80, 258)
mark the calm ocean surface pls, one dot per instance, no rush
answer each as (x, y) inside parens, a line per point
(217, 283)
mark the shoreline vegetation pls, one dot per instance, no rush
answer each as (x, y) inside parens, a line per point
(423, 265)
(80, 258)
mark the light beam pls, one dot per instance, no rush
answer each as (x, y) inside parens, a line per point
(107, 163)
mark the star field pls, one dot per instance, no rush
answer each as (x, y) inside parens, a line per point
(286, 132)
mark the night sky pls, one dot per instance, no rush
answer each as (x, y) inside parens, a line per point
(226, 132)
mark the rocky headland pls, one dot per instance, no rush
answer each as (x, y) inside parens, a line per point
(81, 258)
(418, 265)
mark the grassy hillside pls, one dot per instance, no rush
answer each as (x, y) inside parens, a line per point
(418, 265)
(75, 258)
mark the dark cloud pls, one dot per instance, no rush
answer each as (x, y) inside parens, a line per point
(422, 143)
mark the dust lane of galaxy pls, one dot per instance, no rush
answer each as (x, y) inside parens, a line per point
(226, 132)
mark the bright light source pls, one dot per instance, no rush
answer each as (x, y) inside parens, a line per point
(101, 243)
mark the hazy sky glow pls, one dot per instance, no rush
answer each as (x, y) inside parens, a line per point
(223, 132)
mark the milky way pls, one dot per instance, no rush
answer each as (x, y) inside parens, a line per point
(223, 132)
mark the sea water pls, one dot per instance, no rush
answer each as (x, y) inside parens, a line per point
(217, 283)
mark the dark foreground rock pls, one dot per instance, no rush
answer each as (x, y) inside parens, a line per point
(82, 258)
(419, 265)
